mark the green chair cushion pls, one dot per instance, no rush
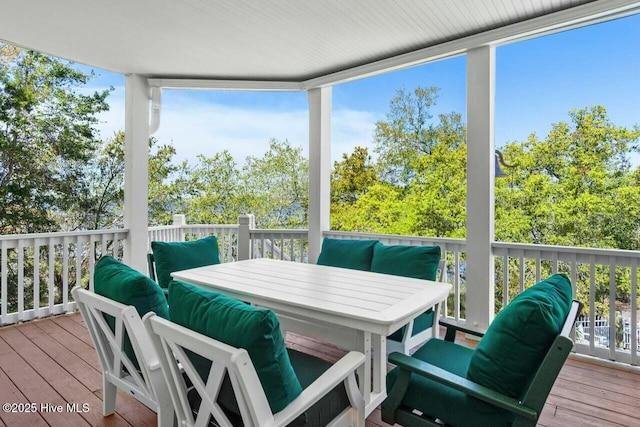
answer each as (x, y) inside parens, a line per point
(419, 262)
(520, 336)
(176, 256)
(449, 405)
(243, 326)
(121, 283)
(353, 254)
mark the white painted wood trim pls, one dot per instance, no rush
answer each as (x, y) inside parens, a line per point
(319, 167)
(480, 185)
(213, 84)
(136, 171)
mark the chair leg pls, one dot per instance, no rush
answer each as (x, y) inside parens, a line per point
(166, 415)
(109, 391)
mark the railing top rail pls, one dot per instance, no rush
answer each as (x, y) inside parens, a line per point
(278, 231)
(165, 227)
(32, 236)
(567, 249)
(443, 240)
(216, 226)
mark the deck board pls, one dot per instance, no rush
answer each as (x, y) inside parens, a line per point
(53, 361)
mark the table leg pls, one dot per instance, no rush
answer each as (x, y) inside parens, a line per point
(379, 373)
(373, 373)
(364, 371)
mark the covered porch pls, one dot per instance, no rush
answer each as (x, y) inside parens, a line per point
(586, 393)
(316, 58)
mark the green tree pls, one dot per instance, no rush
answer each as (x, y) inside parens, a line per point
(169, 184)
(352, 177)
(406, 134)
(275, 187)
(576, 187)
(215, 185)
(420, 187)
(47, 136)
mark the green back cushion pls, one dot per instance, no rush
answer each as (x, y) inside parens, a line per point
(353, 254)
(419, 262)
(121, 283)
(175, 256)
(243, 326)
(520, 336)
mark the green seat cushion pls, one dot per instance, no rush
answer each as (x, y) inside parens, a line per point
(121, 283)
(419, 262)
(520, 336)
(353, 254)
(439, 401)
(176, 256)
(243, 326)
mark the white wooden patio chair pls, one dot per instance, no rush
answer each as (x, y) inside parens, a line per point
(173, 342)
(145, 382)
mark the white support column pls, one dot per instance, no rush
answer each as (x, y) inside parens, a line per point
(136, 171)
(319, 167)
(480, 185)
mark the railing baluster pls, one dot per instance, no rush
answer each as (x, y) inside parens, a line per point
(51, 286)
(3, 280)
(92, 262)
(78, 261)
(456, 285)
(65, 272)
(506, 284)
(633, 327)
(613, 327)
(521, 276)
(592, 302)
(36, 279)
(20, 250)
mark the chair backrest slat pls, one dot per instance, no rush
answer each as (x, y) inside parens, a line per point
(173, 341)
(110, 344)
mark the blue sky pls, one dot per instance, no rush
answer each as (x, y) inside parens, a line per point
(538, 82)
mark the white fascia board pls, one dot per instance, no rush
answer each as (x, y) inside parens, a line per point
(248, 85)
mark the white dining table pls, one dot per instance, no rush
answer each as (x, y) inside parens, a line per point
(353, 309)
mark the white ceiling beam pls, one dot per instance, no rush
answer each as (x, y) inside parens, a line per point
(249, 85)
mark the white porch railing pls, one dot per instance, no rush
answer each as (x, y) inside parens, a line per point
(179, 231)
(602, 279)
(38, 271)
(34, 283)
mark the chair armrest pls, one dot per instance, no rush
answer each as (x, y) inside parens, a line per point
(333, 376)
(462, 384)
(452, 328)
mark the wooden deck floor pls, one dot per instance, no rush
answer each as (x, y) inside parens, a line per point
(51, 363)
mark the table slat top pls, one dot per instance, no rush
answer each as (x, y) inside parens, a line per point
(371, 297)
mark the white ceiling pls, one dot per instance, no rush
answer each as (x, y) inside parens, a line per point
(273, 40)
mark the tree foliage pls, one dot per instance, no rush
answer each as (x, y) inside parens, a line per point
(275, 187)
(47, 136)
